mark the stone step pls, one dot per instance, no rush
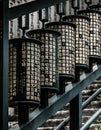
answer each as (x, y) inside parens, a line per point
(89, 91)
(61, 114)
(89, 111)
(86, 118)
(86, 92)
(98, 98)
(45, 128)
(95, 104)
(52, 122)
(92, 88)
(67, 128)
(85, 97)
(52, 128)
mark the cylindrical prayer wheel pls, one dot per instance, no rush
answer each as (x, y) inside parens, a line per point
(82, 40)
(49, 57)
(95, 34)
(24, 71)
(66, 48)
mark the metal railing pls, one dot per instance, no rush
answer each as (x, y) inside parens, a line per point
(84, 105)
(91, 120)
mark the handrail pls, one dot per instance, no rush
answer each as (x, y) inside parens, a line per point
(66, 120)
(91, 120)
(91, 98)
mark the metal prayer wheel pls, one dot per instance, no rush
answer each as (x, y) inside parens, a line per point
(95, 34)
(82, 40)
(24, 71)
(49, 57)
(66, 48)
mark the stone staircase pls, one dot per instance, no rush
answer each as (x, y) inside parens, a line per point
(55, 120)
(93, 106)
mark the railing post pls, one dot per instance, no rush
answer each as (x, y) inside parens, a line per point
(76, 112)
(4, 64)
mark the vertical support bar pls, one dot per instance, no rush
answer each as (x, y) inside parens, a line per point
(76, 112)
(44, 98)
(61, 85)
(4, 64)
(23, 115)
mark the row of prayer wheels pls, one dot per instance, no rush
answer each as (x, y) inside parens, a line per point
(52, 56)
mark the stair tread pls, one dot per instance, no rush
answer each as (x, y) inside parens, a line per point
(45, 128)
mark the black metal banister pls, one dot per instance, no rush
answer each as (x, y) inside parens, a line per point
(84, 105)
